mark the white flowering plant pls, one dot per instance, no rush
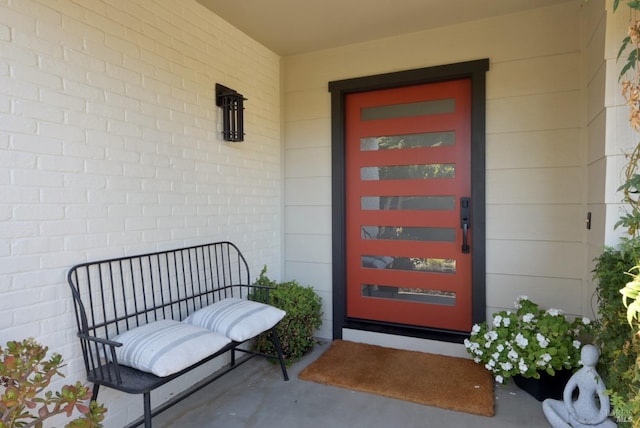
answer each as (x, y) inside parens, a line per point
(528, 341)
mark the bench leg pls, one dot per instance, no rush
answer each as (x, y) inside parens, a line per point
(276, 343)
(147, 409)
(94, 395)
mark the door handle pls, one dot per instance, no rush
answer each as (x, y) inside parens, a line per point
(465, 223)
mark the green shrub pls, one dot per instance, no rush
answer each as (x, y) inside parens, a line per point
(617, 340)
(304, 316)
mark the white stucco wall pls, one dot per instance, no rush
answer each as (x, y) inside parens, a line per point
(110, 144)
(536, 148)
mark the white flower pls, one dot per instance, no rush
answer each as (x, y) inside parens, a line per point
(576, 344)
(517, 304)
(544, 359)
(528, 317)
(542, 341)
(473, 347)
(553, 312)
(497, 320)
(522, 341)
(499, 379)
(586, 321)
(513, 355)
(506, 366)
(477, 360)
(495, 355)
(522, 366)
(506, 321)
(490, 365)
(500, 347)
(475, 329)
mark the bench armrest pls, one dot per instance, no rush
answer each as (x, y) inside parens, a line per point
(108, 342)
(260, 293)
(98, 353)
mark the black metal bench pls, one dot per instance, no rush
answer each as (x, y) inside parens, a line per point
(113, 297)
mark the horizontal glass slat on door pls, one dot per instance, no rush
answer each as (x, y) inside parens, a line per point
(408, 172)
(427, 203)
(420, 108)
(434, 297)
(410, 141)
(413, 264)
(406, 233)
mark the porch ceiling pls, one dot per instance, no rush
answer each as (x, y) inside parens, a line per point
(296, 26)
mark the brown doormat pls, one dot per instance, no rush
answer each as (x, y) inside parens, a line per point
(435, 380)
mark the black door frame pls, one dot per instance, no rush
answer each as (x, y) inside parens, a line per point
(476, 71)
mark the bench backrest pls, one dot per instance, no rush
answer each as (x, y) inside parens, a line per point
(113, 296)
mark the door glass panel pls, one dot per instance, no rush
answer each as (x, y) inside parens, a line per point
(433, 297)
(413, 264)
(385, 203)
(408, 109)
(408, 172)
(410, 141)
(405, 233)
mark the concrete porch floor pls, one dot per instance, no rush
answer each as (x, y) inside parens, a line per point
(255, 395)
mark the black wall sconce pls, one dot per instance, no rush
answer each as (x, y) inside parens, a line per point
(232, 113)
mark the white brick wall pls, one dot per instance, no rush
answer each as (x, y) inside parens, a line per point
(110, 144)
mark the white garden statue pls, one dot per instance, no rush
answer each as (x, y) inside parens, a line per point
(587, 409)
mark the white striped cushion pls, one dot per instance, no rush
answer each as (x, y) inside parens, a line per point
(238, 319)
(165, 347)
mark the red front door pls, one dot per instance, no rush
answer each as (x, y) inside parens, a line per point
(409, 236)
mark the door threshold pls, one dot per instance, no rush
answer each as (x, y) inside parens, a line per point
(406, 342)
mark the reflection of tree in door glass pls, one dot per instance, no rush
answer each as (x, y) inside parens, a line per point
(434, 265)
(409, 263)
(404, 233)
(431, 296)
(423, 265)
(435, 139)
(410, 141)
(408, 172)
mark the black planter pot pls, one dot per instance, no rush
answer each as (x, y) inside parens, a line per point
(546, 386)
